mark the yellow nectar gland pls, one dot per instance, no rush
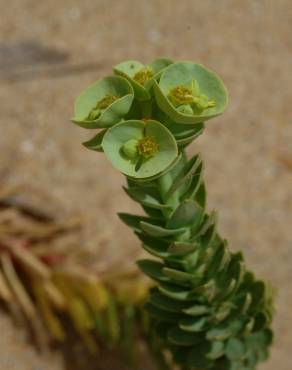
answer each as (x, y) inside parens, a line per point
(180, 95)
(106, 101)
(143, 76)
(147, 147)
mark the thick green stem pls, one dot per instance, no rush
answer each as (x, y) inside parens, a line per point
(146, 108)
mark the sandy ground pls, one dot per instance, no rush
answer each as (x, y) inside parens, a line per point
(49, 51)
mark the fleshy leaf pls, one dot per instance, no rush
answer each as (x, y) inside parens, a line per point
(177, 275)
(184, 174)
(177, 293)
(235, 349)
(182, 338)
(148, 200)
(161, 314)
(95, 142)
(197, 310)
(153, 269)
(182, 248)
(132, 221)
(159, 231)
(217, 350)
(166, 303)
(187, 213)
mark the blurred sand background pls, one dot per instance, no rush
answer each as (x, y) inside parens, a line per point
(51, 50)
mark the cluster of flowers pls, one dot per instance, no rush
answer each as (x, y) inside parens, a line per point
(149, 113)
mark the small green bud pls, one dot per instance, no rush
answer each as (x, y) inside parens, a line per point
(195, 87)
(130, 148)
(94, 114)
(146, 147)
(202, 102)
(101, 104)
(185, 109)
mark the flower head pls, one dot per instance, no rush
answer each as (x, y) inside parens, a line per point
(104, 103)
(190, 93)
(143, 76)
(139, 149)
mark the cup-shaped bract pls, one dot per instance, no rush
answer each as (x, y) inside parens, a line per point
(190, 93)
(140, 149)
(104, 103)
(142, 76)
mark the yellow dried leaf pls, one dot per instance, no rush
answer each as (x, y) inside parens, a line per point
(17, 287)
(50, 319)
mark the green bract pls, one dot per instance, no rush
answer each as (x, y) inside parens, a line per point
(140, 149)
(190, 93)
(184, 134)
(104, 103)
(142, 76)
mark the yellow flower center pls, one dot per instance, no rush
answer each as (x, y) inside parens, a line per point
(190, 96)
(147, 147)
(181, 95)
(106, 101)
(143, 76)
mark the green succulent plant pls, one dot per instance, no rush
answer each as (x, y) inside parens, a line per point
(209, 311)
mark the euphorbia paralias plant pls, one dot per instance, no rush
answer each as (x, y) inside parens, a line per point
(209, 311)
